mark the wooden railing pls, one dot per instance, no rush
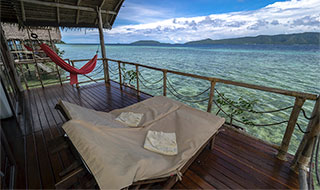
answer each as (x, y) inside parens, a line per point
(300, 98)
(303, 153)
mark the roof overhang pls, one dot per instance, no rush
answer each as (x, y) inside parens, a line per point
(60, 13)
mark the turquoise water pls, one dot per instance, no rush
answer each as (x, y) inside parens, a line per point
(287, 67)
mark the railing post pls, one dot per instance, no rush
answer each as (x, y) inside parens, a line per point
(164, 82)
(120, 77)
(106, 70)
(303, 154)
(290, 127)
(72, 63)
(137, 78)
(213, 83)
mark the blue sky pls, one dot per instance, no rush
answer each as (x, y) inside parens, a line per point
(178, 21)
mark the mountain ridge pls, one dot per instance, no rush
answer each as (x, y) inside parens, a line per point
(280, 39)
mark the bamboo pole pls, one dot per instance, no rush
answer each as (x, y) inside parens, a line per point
(53, 47)
(35, 60)
(303, 153)
(137, 78)
(213, 83)
(103, 48)
(20, 66)
(164, 82)
(290, 128)
(120, 77)
(26, 56)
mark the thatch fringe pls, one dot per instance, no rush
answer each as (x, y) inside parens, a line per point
(14, 32)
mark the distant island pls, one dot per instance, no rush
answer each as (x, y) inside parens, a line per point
(312, 38)
(148, 42)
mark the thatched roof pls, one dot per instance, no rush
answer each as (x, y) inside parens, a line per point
(12, 32)
(59, 13)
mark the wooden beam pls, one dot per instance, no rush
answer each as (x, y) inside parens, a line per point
(211, 94)
(102, 3)
(115, 10)
(290, 128)
(103, 48)
(164, 82)
(58, 13)
(301, 158)
(78, 12)
(65, 6)
(23, 12)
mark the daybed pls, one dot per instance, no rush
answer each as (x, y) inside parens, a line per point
(114, 153)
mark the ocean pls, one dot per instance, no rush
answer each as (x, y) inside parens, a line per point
(294, 68)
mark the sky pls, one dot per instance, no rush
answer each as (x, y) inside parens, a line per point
(180, 21)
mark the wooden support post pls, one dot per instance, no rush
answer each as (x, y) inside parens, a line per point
(23, 12)
(78, 12)
(302, 156)
(54, 48)
(20, 66)
(106, 71)
(213, 83)
(35, 60)
(58, 12)
(8, 62)
(72, 63)
(290, 128)
(120, 77)
(137, 78)
(103, 48)
(164, 82)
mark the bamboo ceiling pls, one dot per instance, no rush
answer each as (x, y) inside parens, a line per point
(59, 13)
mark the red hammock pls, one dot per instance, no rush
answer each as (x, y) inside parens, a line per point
(28, 48)
(87, 68)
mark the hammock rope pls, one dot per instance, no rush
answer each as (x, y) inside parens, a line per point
(87, 68)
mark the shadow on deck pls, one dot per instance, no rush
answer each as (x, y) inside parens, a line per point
(237, 161)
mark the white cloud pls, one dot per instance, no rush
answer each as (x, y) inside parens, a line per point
(143, 14)
(281, 17)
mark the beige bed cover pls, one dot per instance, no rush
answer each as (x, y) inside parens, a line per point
(114, 152)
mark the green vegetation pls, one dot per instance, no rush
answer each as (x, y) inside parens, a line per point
(147, 42)
(285, 39)
(128, 75)
(61, 42)
(236, 108)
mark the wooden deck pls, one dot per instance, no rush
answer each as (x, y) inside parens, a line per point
(237, 162)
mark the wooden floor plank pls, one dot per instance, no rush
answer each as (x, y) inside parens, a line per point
(237, 161)
(34, 179)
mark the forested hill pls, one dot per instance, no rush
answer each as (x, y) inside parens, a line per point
(285, 39)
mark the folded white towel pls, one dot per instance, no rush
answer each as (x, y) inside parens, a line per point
(160, 142)
(129, 118)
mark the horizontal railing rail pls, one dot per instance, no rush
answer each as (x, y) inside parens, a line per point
(168, 87)
(300, 98)
(230, 82)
